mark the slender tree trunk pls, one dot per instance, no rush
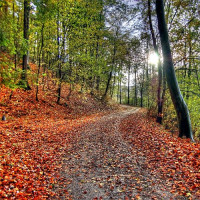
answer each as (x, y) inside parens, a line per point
(97, 56)
(185, 68)
(70, 92)
(141, 96)
(39, 65)
(108, 84)
(26, 37)
(111, 72)
(120, 91)
(147, 73)
(59, 64)
(142, 89)
(113, 87)
(178, 101)
(15, 56)
(43, 77)
(129, 84)
(159, 100)
(189, 70)
(135, 102)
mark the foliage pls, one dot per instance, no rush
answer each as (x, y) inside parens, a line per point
(174, 159)
(88, 50)
(8, 76)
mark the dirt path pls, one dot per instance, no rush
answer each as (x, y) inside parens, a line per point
(101, 165)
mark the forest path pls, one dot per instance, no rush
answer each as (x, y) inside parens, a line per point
(102, 165)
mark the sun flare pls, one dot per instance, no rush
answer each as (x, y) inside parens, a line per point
(153, 58)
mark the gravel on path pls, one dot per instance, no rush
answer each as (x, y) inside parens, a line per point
(102, 165)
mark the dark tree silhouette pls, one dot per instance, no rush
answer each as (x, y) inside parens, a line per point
(24, 81)
(178, 101)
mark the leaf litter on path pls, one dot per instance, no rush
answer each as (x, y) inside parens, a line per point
(175, 160)
(48, 154)
(102, 164)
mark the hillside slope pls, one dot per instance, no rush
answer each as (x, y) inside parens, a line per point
(34, 136)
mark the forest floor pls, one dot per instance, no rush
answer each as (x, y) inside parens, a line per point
(87, 150)
(101, 164)
(105, 162)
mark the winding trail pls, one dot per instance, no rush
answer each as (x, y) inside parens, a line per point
(102, 165)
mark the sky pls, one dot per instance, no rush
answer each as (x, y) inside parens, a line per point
(130, 2)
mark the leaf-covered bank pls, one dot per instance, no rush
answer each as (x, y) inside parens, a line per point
(173, 159)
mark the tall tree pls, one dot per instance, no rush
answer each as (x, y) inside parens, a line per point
(24, 81)
(112, 64)
(178, 101)
(160, 77)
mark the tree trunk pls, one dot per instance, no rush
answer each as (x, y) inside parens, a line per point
(15, 55)
(142, 89)
(189, 70)
(141, 96)
(178, 101)
(113, 87)
(118, 87)
(39, 65)
(147, 73)
(120, 91)
(111, 72)
(185, 67)
(135, 102)
(129, 84)
(159, 100)
(108, 84)
(24, 82)
(97, 56)
(59, 64)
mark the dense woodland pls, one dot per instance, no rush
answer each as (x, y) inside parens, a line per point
(65, 68)
(105, 47)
